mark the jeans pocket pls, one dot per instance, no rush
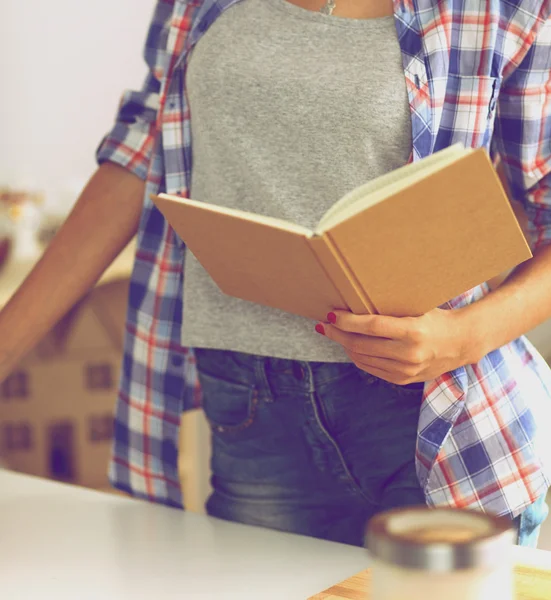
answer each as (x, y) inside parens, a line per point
(229, 407)
(411, 390)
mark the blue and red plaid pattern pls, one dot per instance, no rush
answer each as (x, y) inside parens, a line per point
(477, 72)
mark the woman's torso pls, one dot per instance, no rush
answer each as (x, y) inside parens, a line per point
(449, 68)
(304, 108)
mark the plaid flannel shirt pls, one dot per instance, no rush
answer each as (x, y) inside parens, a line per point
(477, 72)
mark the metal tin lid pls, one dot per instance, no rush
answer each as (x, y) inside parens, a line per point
(439, 539)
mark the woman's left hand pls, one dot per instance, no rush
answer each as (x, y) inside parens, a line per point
(401, 350)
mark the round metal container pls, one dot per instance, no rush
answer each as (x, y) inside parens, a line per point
(440, 539)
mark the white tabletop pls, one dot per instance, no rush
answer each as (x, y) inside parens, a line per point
(60, 542)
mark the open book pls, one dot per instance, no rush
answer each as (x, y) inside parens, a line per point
(400, 245)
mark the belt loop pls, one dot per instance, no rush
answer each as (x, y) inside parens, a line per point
(308, 376)
(263, 367)
(298, 371)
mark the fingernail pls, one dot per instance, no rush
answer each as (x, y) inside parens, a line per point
(332, 317)
(320, 329)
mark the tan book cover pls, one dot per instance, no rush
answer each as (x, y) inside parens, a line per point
(400, 245)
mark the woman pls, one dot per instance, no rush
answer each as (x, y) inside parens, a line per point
(287, 107)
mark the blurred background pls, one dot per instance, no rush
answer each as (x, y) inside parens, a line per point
(63, 68)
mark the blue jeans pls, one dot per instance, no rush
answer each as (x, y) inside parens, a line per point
(312, 448)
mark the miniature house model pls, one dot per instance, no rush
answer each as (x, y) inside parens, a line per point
(56, 408)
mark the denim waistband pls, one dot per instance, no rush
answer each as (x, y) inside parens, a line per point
(284, 374)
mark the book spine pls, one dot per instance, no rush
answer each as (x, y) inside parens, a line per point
(342, 277)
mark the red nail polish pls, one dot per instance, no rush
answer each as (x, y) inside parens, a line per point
(320, 329)
(332, 317)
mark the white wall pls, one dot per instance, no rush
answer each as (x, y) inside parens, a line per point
(63, 67)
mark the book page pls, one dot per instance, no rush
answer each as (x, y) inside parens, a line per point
(235, 212)
(380, 188)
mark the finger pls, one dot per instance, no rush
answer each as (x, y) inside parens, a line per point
(362, 344)
(390, 377)
(373, 325)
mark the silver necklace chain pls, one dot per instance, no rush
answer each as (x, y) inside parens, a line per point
(328, 7)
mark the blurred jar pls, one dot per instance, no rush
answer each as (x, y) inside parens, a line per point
(20, 215)
(442, 554)
(7, 228)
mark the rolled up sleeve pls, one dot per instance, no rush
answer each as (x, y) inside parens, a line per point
(522, 136)
(130, 142)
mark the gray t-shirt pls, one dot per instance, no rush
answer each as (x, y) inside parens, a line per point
(290, 110)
